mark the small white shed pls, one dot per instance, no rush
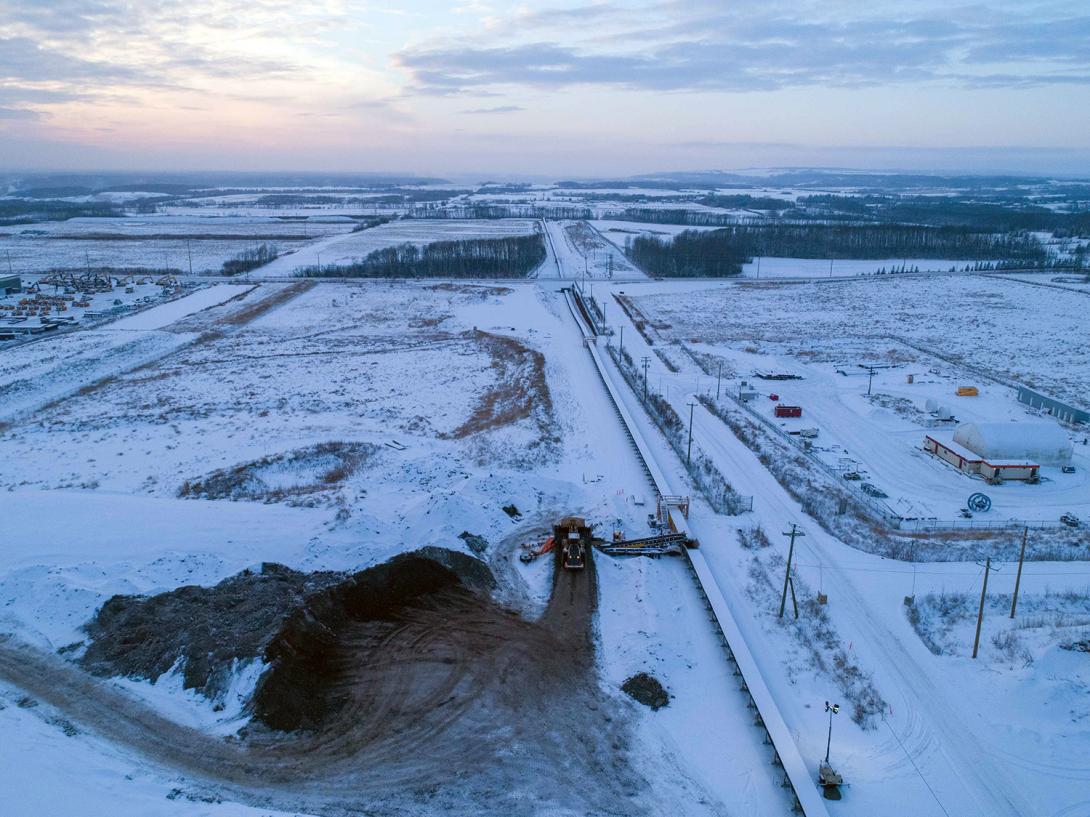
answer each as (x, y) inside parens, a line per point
(1040, 443)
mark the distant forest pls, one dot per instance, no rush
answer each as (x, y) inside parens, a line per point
(510, 257)
(723, 252)
(14, 212)
(1008, 215)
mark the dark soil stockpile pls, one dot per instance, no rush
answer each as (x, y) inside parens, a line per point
(252, 615)
(402, 689)
(310, 679)
(206, 628)
(647, 690)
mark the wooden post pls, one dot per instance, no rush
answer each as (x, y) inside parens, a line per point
(718, 381)
(689, 452)
(980, 613)
(1018, 577)
(790, 555)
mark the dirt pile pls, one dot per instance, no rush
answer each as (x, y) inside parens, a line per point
(419, 694)
(205, 628)
(315, 670)
(647, 690)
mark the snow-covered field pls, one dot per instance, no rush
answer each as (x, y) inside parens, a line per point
(999, 326)
(344, 249)
(154, 242)
(93, 491)
(35, 374)
(204, 436)
(824, 332)
(998, 735)
(583, 251)
(846, 267)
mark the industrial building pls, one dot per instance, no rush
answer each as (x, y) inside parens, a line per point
(10, 284)
(1003, 451)
(1061, 411)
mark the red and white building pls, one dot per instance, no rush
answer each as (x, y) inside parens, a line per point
(1002, 451)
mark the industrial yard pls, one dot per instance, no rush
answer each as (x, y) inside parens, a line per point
(873, 374)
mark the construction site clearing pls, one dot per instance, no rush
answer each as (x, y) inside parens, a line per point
(59, 300)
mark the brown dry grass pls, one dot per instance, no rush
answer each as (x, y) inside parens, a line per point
(521, 389)
(267, 304)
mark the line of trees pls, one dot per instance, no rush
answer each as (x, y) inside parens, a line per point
(15, 212)
(508, 257)
(723, 252)
(991, 216)
(248, 260)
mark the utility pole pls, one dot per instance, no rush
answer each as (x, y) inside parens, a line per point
(758, 267)
(646, 360)
(718, 381)
(870, 379)
(189, 250)
(319, 262)
(622, 340)
(689, 452)
(1018, 577)
(793, 533)
(10, 271)
(832, 709)
(980, 613)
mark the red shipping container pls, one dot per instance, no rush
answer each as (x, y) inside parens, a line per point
(788, 411)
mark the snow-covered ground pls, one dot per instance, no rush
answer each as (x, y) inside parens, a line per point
(91, 505)
(154, 242)
(583, 251)
(344, 249)
(846, 267)
(995, 325)
(957, 736)
(37, 373)
(112, 431)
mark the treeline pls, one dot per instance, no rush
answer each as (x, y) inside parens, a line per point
(691, 254)
(14, 211)
(1009, 216)
(746, 202)
(501, 211)
(723, 252)
(251, 259)
(509, 257)
(655, 215)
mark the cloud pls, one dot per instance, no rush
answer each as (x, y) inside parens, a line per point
(497, 109)
(668, 46)
(24, 60)
(19, 113)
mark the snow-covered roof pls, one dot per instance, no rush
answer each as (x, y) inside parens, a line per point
(1043, 443)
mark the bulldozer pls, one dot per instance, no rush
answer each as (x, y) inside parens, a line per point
(572, 534)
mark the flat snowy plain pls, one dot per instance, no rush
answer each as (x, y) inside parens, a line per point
(108, 426)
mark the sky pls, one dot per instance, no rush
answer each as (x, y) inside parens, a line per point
(544, 90)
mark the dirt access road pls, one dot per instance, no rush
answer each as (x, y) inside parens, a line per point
(450, 704)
